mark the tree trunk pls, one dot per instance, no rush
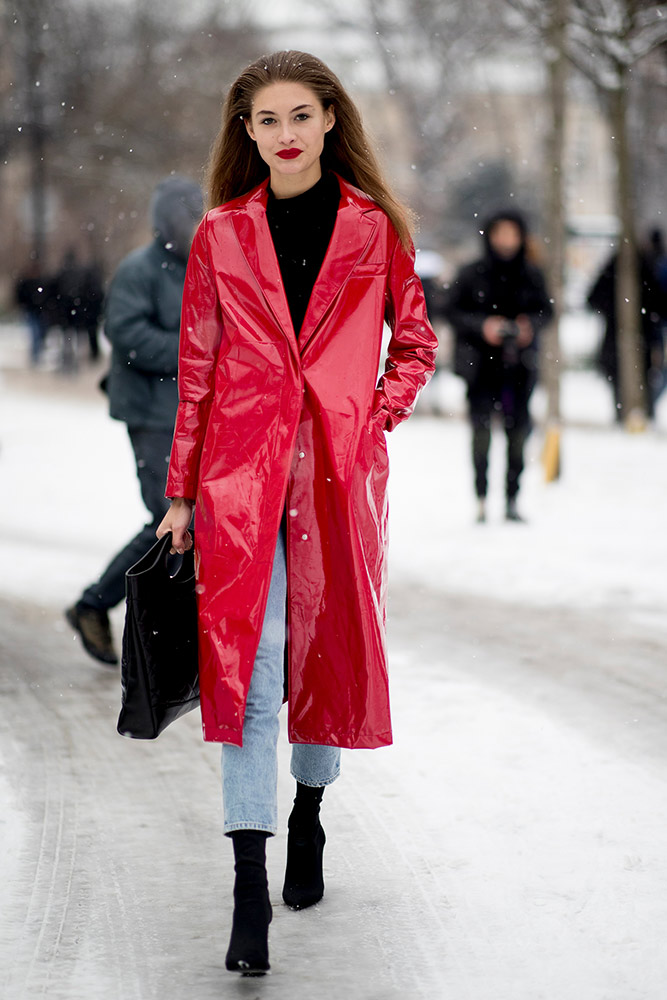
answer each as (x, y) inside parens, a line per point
(555, 155)
(631, 373)
(34, 56)
(38, 182)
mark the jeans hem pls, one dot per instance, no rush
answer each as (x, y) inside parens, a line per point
(262, 827)
(316, 784)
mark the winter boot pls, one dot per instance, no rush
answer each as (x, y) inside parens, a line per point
(304, 880)
(248, 951)
(512, 512)
(95, 631)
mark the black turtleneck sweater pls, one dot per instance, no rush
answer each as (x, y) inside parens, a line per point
(301, 228)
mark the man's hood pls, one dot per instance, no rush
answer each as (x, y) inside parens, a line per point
(176, 207)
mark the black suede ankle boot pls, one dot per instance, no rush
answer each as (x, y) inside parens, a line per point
(248, 951)
(304, 880)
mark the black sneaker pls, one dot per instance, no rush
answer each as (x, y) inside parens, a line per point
(95, 631)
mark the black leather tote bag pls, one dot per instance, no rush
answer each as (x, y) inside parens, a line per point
(159, 673)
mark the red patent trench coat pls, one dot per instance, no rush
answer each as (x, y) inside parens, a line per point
(267, 423)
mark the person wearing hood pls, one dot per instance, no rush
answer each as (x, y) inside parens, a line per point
(601, 299)
(142, 321)
(497, 307)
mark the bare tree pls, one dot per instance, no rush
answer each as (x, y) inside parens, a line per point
(101, 102)
(648, 128)
(424, 49)
(27, 110)
(556, 28)
(605, 40)
(547, 23)
(608, 38)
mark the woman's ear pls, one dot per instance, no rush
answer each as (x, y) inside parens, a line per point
(246, 122)
(329, 118)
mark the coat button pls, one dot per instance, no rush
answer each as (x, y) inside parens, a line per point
(305, 538)
(302, 454)
(293, 512)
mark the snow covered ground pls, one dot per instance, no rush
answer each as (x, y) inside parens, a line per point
(509, 846)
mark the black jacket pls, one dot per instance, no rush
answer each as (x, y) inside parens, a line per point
(488, 287)
(602, 300)
(143, 313)
(79, 294)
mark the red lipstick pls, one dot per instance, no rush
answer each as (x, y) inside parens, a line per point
(289, 154)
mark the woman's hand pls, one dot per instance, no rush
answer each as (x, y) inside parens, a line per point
(177, 520)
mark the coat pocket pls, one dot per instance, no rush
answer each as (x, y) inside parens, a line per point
(370, 269)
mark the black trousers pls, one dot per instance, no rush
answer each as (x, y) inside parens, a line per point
(151, 451)
(509, 402)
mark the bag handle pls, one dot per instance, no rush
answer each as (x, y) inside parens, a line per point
(156, 558)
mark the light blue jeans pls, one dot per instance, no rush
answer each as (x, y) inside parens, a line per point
(250, 772)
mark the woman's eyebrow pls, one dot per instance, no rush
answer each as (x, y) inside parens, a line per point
(299, 107)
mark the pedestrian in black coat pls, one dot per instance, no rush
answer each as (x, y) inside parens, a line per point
(142, 321)
(602, 300)
(79, 294)
(32, 292)
(497, 307)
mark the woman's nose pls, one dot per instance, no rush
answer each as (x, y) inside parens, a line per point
(286, 134)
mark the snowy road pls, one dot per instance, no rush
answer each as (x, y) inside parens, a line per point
(509, 846)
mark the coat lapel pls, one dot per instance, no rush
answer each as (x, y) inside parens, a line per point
(352, 233)
(254, 236)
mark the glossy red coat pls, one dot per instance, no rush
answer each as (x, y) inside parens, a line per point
(267, 423)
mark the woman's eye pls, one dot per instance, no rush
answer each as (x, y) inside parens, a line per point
(302, 117)
(267, 121)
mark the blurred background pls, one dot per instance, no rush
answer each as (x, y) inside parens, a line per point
(551, 107)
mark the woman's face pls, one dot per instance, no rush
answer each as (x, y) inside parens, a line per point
(288, 123)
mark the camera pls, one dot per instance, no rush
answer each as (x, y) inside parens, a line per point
(508, 331)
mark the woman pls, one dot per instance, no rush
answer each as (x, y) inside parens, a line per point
(279, 444)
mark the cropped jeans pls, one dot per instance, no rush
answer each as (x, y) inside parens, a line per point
(250, 772)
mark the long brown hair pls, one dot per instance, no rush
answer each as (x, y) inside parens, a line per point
(235, 166)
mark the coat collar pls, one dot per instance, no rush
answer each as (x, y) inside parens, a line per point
(353, 230)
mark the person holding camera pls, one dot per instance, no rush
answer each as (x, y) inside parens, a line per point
(497, 306)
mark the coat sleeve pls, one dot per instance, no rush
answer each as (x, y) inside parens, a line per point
(201, 331)
(137, 340)
(413, 345)
(462, 312)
